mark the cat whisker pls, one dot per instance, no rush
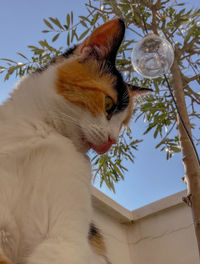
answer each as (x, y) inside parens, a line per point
(66, 118)
(97, 134)
(69, 118)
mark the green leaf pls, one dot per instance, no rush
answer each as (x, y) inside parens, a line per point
(11, 70)
(83, 23)
(68, 20)
(94, 20)
(118, 171)
(36, 50)
(85, 18)
(175, 149)
(48, 24)
(72, 35)
(111, 185)
(83, 34)
(45, 44)
(9, 60)
(156, 132)
(68, 39)
(72, 17)
(151, 125)
(56, 22)
(55, 37)
(23, 56)
(66, 27)
(45, 31)
(181, 4)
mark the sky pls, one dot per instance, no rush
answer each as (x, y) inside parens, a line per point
(151, 177)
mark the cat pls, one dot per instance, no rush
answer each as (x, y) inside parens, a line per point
(53, 117)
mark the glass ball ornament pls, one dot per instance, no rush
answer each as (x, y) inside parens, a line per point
(152, 56)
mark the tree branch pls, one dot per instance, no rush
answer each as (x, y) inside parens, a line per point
(190, 161)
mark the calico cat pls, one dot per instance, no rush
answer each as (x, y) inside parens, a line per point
(54, 116)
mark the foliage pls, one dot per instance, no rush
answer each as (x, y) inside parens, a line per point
(179, 24)
(110, 166)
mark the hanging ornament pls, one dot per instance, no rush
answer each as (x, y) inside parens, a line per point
(152, 56)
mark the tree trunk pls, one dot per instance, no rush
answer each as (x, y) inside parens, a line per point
(190, 161)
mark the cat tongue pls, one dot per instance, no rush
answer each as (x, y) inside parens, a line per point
(101, 149)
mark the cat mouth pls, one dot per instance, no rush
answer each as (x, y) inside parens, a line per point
(101, 149)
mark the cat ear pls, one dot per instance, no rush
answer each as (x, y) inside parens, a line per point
(138, 91)
(104, 41)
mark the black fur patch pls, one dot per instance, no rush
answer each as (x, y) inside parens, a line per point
(68, 52)
(120, 86)
(93, 231)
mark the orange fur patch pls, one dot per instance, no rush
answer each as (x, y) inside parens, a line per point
(3, 258)
(98, 245)
(83, 85)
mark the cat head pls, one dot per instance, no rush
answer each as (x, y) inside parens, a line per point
(98, 99)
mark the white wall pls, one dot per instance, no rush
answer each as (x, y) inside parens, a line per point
(165, 237)
(159, 233)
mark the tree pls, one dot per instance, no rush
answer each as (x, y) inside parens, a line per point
(180, 25)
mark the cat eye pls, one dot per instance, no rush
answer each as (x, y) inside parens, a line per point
(108, 103)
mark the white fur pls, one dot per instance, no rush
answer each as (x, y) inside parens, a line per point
(45, 174)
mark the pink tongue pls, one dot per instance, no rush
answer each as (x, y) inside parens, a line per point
(101, 149)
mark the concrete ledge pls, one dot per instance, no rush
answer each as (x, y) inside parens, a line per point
(111, 208)
(160, 205)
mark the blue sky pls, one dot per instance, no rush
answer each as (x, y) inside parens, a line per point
(151, 177)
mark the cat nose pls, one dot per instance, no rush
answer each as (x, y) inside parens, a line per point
(112, 140)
